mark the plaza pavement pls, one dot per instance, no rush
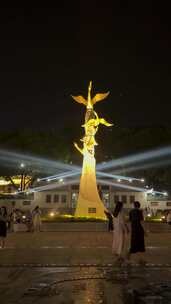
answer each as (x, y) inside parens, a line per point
(75, 267)
(76, 247)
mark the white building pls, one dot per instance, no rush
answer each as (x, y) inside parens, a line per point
(63, 200)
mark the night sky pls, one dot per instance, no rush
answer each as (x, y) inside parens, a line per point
(47, 54)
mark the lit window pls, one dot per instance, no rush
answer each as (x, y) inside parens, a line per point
(63, 198)
(75, 187)
(104, 187)
(56, 198)
(132, 199)
(154, 204)
(48, 198)
(124, 199)
(74, 198)
(105, 198)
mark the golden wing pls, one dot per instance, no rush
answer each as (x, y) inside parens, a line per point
(104, 122)
(80, 99)
(98, 97)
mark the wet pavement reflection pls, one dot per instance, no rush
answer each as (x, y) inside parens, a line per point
(82, 285)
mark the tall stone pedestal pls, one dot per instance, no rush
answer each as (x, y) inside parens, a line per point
(89, 202)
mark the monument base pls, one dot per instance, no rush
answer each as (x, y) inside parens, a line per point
(89, 203)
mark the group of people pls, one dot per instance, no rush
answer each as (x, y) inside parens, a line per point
(124, 246)
(7, 222)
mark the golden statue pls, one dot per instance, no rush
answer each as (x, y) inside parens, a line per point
(89, 202)
(89, 103)
(92, 120)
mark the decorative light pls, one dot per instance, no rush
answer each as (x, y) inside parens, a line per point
(52, 214)
(130, 180)
(142, 180)
(38, 179)
(150, 191)
(118, 180)
(61, 180)
(22, 165)
(4, 182)
(165, 193)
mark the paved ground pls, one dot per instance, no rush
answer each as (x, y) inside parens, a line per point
(82, 285)
(63, 248)
(77, 267)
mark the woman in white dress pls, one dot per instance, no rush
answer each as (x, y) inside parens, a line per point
(36, 217)
(120, 233)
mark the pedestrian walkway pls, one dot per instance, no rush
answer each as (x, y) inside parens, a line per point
(70, 248)
(77, 267)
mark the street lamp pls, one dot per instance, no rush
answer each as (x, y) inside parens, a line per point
(22, 165)
(22, 183)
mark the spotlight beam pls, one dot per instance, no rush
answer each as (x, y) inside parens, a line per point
(62, 175)
(51, 186)
(124, 186)
(156, 153)
(145, 166)
(118, 185)
(75, 181)
(16, 158)
(117, 176)
(74, 173)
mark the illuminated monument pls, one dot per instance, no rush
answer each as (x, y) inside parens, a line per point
(89, 202)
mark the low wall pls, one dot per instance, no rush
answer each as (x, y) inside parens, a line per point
(157, 227)
(87, 226)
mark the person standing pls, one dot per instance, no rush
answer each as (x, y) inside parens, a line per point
(120, 232)
(110, 220)
(137, 232)
(168, 218)
(10, 221)
(29, 222)
(3, 226)
(36, 217)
